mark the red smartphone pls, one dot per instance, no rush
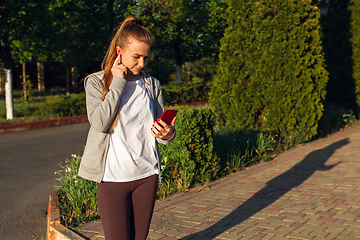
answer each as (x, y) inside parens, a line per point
(168, 116)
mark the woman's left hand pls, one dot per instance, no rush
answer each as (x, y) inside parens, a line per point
(162, 130)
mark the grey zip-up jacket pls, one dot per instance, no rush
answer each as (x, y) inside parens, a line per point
(101, 112)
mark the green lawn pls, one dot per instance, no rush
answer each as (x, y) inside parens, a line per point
(22, 111)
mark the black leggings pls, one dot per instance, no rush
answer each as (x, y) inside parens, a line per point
(126, 208)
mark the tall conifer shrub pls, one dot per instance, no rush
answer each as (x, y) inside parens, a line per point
(355, 43)
(341, 40)
(271, 74)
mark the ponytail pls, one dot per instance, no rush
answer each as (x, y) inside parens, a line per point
(132, 27)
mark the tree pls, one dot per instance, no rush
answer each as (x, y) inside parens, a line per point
(76, 33)
(6, 58)
(271, 75)
(15, 21)
(341, 47)
(355, 43)
(82, 31)
(24, 35)
(184, 30)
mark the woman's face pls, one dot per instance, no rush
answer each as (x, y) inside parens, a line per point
(135, 55)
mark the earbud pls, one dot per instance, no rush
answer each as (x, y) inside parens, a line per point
(119, 53)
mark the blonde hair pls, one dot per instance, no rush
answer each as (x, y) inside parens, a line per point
(132, 27)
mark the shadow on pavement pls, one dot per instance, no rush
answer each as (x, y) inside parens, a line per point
(275, 189)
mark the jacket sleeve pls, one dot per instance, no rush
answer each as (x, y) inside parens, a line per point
(101, 112)
(160, 109)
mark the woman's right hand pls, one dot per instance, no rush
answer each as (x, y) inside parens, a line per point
(118, 69)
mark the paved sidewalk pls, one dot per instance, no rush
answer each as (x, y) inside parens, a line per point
(310, 192)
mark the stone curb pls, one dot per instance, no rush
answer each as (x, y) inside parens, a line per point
(55, 230)
(42, 124)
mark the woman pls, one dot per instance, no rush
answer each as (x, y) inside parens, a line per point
(121, 154)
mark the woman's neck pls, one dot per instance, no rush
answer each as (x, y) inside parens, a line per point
(132, 77)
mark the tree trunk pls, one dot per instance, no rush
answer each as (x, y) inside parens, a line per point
(187, 68)
(67, 78)
(40, 76)
(8, 94)
(74, 76)
(179, 60)
(24, 83)
(178, 73)
(179, 63)
(5, 47)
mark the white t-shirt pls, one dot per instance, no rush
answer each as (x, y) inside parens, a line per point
(131, 154)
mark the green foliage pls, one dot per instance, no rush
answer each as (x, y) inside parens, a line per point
(26, 18)
(77, 196)
(204, 68)
(26, 112)
(27, 86)
(64, 106)
(184, 30)
(271, 74)
(82, 30)
(342, 53)
(182, 92)
(189, 160)
(265, 143)
(237, 149)
(196, 84)
(355, 43)
(160, 67)
(335, 118)
(166, 189)
(73, 31)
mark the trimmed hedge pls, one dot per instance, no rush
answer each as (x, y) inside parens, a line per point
(189, 160)
(65, 106)
(271, 75)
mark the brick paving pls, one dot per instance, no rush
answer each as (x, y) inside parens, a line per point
(310, 192)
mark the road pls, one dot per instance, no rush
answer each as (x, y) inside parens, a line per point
(28, 161)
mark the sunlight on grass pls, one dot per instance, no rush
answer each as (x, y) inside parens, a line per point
(44, 107)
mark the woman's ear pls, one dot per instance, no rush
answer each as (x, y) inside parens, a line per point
(118, 50)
